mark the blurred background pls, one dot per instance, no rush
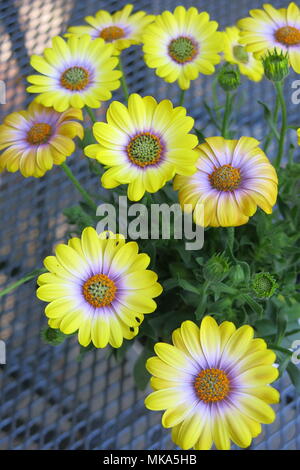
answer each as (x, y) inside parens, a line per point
(48, 398)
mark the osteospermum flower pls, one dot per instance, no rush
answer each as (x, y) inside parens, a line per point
(273, 28)
(181, 45)
(235, 53)
(233, 177)
(37, 138)
(213, 384)
(144, 144)
(75, 73)
(100, 286)
(122, 28)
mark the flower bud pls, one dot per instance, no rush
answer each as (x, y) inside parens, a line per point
(264, 285)
(229, 78)
(276, 65)
(237, 274)
(52, 336)
(216, 268)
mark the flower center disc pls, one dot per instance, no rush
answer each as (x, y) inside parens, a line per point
(144, 149)
(288, 35)
(212, 385)
(225, 178)
(182, 49)
(99, 290)
(39, 133)
(111, 33)
(75, 78)
(241, 54)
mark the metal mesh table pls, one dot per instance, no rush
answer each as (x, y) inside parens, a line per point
(48, 399)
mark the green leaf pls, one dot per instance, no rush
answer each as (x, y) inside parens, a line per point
(294, 374)
(200, 310)
(255, 306)
(140, 373)
(268, 115)
(188, 286)
(281, 323)
(200, 135)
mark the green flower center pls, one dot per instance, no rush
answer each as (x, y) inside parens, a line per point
(39, 133)
(144, 149)
(264, 285)
(225, 178)
(182, 49)
(240, 54)
(99, 290)
(75, 78)
(212, 385)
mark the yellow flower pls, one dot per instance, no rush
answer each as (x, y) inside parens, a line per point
(235, 53)
(122, 28)
(99, 286)
(233, 177)
(144, 144)
(298, 134)
(37, 138)
(271, 28)
(75, 73)
(213, 384)
(181, 45)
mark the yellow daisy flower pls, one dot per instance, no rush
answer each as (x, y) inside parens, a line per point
(99, 286)
(145, 144)
(235, 53)
(272, 28)
(75, 73)
(213, 383)
(37, 138)
(182, 44)
(122, 28)
(233, 177)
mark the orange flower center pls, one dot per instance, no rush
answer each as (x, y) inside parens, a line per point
(39, 133)
(111, 33)
(99, 290)
(75, 78)
(182, 49)
(288, 35)
(212, 385)
(225, 178)
(144, 149)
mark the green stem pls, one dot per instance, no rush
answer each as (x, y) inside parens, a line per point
(181, 97)
(78, 186)
(230, 242)
(225, 124)
(273, 130)
(21, 281)
(215, 98)
(123, 80)
(278, 348)
(279, 90)
(91, 114)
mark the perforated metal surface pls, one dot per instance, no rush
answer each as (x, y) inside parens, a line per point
(49, 400)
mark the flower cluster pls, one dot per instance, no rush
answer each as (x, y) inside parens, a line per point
(213, 381)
